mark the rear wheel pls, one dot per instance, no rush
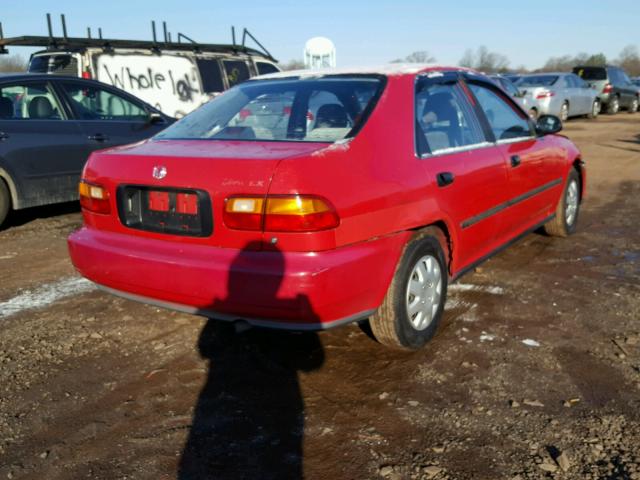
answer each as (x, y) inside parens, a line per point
(633, 108)
(613, 106)
(5, 201)
(564, 112)
(595, 110)
(566, 219)
(414, 303)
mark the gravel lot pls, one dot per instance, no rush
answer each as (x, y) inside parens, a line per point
(534, 374)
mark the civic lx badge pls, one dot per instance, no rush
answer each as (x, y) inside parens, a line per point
(159, 172)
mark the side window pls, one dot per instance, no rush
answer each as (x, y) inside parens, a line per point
(237, 71)
(578, 81)
(444, 119)
(570, 81)
(211, 75)
(505, 122)
(30, 101)
(93, 103)
(264, 68)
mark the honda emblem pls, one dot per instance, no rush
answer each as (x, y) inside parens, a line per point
(159, 172)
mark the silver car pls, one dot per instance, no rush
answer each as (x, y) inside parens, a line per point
(528, 103)
(562, 94)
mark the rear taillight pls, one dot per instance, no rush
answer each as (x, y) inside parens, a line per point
(545, 94)
(280, 213)
(607, 88)
(94, 198)
(86, 74)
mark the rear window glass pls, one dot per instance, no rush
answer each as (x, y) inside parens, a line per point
(591, 73)
(237, 71)
(537, 81)
(60, 64)
(264, 68)
(310, 110)
(211, 75)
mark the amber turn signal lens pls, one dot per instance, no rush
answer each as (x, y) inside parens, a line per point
(94, 198)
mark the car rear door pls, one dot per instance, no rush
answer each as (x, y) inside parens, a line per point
(108, 117)
(40, 146)
(469, 172)
(534, 165)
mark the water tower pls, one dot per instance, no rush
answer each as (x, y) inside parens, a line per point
(319, 52)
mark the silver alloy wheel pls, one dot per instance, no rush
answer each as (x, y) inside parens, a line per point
(571, 203)
(615, 105)
(564, 112)
(634, 106)
(596, 108)
(424, 292)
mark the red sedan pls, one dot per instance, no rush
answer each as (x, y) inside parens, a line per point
(306, 200)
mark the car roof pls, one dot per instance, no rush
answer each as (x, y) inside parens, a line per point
(390, 69)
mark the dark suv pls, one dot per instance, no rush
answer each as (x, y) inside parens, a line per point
(615, 89)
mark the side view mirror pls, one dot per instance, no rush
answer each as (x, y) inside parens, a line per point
(548, 125)
(154, 118)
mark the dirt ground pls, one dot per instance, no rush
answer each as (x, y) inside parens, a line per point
(535, 372)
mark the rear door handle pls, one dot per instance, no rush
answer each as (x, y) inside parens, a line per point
(3, 136)
(516, 160)
(445, 178)
(98, 137)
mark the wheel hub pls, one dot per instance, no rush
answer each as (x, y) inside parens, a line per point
(424, 292)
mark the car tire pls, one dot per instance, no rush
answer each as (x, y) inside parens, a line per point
(566, 218)
(613, 106)
(633, 108)
(564, 112)
(5, 202)
(595, 110)
(414, 303)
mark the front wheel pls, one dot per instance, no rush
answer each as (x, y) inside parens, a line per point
(613, 106)
(633, 108)
(414, 303)
(566, 219)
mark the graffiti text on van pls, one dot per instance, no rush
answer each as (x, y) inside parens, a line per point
(127, 80)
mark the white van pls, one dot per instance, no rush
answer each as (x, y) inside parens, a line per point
(175, 77)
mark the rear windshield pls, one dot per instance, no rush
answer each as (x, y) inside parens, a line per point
(537, 81)
(60, 64)
(324, 109)
(591, 73)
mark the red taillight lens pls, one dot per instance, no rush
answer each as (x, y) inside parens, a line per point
(542, 95)
(86, 74)
(94, 198)
(280, 213)
(607, 88)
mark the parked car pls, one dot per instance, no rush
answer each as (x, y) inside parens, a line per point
(48, 127)
(175, 77)
(369, 211)
(528, 103)
(614, 87)
(562, 94)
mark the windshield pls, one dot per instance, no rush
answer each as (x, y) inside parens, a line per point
(537, 81)
(591, 73)
(323, 109)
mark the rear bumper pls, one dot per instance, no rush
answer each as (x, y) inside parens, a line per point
(294, 290)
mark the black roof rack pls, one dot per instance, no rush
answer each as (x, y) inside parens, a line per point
(77, 43)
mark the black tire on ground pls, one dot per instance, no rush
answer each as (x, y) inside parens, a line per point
(562, 225)
(5, 201)
(391, 324)
(595, 110)
(633, 108)
(613, 106)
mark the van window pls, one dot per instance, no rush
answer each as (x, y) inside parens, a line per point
(211, 75)
(264, 68)
(237, 71)
(60, 64)
(591, 73)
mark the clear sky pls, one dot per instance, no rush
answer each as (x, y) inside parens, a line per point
(364, 32)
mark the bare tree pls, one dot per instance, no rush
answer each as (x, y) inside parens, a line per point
(484, 60)
(12, 63)
(420, 56)
(565, 63)
(629, 60)
(292, 65)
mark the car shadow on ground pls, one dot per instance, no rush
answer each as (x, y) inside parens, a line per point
(18, 218)
(249, 418)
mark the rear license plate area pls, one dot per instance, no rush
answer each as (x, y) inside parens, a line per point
(165, 210)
